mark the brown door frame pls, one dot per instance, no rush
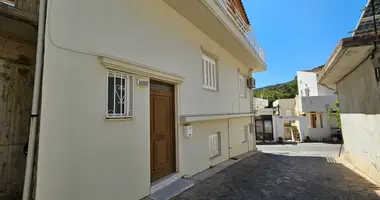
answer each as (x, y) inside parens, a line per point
(173, 125)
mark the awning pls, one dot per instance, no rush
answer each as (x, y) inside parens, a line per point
(347, 56)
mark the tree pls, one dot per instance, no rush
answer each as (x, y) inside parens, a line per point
(334, 112)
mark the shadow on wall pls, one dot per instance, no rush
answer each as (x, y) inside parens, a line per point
(272, 176)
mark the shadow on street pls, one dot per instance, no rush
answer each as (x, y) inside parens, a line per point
(271, 176)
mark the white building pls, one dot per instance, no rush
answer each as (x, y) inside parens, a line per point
(313, 101)
(263, 120)
(259, 103)
(123, 80)
(287, 124)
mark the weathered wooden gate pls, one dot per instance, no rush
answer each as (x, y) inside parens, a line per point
(16, 83)
(17, 55)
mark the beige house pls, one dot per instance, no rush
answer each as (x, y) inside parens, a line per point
(354, 70)
(134, 93)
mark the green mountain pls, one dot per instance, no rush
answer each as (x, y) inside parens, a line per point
(287, 90)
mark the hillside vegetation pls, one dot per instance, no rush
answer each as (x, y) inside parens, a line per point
(287, 90)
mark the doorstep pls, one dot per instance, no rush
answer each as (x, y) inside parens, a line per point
(169, 187)
(172, 185)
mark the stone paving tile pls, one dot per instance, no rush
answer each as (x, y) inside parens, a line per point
(266, 176)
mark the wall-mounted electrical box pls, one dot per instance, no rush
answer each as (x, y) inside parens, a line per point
(188, 130)
(142, 81)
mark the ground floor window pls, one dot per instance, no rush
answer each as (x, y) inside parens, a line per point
(214, 145)
(119, 94)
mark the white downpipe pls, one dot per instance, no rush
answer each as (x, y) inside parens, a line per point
(36, 102)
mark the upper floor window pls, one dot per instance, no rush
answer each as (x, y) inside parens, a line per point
(307, 92)
(119, 94)
(242, 86)
(209, 71)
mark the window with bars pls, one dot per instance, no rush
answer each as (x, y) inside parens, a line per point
(120, 94)
(209, 70)
(214, 145)
(242, 86)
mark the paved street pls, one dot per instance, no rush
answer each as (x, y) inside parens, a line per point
(304, 171)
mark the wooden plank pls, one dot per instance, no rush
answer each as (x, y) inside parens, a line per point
(24, 77)
(23, 5)
(21, 14)
(5, 172)
(17, 174)
(33, 6)
(16, 88)
(17, 52)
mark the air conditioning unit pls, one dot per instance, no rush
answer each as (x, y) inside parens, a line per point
(251, 83)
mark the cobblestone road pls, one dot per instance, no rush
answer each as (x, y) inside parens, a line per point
(273, 176)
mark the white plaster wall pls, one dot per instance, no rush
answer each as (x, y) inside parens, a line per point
(153, 34)
(237, 136)
(279, 129)
(322, 90)
(286, 104)
(259, 103)
(317, 103)
(194, 152)
(94, 158)
(81, 155)
(359, 98)
(265, 111)
(309, 78)
(320, 132)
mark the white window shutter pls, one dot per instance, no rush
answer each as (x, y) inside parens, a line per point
(209, 70)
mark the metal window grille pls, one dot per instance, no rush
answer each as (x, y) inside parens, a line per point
(120, 94)
(209, 73)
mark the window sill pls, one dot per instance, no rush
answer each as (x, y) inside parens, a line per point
(214, 157)
(209, 89)
(119, 119)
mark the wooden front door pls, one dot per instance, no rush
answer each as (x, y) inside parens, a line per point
(162, 137)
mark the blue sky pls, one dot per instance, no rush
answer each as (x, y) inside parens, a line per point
(299, 34)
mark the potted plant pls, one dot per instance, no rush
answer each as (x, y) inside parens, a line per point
(280, 140)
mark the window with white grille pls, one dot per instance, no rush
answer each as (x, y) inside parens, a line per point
(120, 94)
(209, 73)
(213, 145)
(242, 86)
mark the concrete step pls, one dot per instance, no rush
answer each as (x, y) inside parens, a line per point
(172, 189)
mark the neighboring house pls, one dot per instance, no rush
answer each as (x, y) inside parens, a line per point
(136, 92)
(259, 103)
(354, 70)
(18, 39)
(313, 101)
(263, 120)
(286, 124)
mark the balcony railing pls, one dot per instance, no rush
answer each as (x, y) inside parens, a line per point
(243, 27)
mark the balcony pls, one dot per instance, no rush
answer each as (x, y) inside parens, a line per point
(222, 22)
(316, 103)
(245, 29)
